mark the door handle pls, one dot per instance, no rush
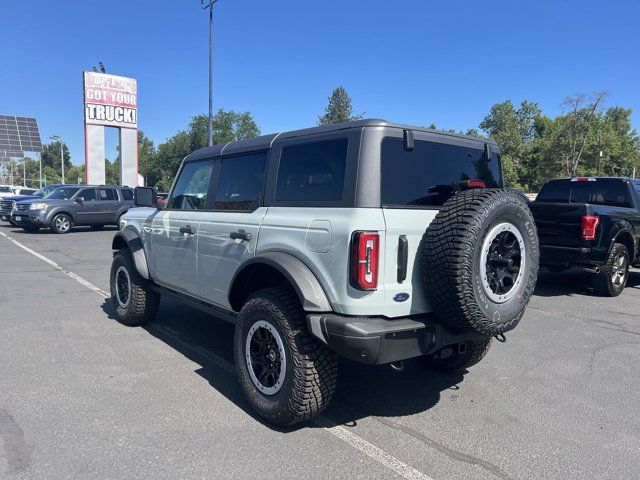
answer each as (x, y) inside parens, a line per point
(240, 235)
(188, 229)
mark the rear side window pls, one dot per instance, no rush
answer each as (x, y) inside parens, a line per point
(312, 172)
(190, 191)
(432, 172)
(127, 194)
(555, 191)
(106, 194)
(241, 181)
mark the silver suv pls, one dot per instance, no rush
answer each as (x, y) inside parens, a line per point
(371, 240)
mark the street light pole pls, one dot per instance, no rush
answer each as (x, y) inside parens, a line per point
(210, 7)
(59, 139)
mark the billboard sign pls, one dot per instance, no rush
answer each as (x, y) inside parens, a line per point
(110, 100)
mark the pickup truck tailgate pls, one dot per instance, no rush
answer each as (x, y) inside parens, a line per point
(560, 223)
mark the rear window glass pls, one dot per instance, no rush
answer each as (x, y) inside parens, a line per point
(240, 183)
(312, 172)
(432, 172)
(598, 192)
(107, 193)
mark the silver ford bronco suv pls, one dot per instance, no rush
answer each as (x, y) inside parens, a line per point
(371, 240)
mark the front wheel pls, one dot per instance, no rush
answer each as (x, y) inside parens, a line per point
(613, 275)
(61, 223)
(285, 374)
(451, 359)
(136, 303)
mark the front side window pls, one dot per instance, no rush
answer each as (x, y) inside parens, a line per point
(312, 172)
(241, 182)
(190, 192)
(88, 194)
(432, 172)
(106, 194)
(63, 193)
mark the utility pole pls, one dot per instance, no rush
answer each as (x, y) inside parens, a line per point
(40, 162)
(204, 5)
(59, 139)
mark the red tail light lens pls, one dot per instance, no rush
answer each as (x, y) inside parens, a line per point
(364, 260)
(589, 227)
(476, 183)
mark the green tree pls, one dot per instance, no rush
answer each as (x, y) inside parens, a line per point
(514, 131)
(339, 108)
(51, 156)
(227, 126)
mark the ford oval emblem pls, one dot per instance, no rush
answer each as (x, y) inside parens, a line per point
(401, 297)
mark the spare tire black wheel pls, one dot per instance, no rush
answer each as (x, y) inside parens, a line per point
(480, 261)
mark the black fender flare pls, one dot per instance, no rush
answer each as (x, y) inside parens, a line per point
(621, 229)
(130, 239)
(310, 293)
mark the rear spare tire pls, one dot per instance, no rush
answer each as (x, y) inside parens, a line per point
(480, 261)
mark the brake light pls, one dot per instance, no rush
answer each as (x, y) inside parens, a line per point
(476, 183)
(583, 179)
(589, 227)
(364, 260)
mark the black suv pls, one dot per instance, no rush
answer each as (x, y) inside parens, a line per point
(70, 205)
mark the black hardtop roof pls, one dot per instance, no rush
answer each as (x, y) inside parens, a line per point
(264, 142)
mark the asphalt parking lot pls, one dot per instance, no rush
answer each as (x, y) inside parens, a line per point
(82, 396)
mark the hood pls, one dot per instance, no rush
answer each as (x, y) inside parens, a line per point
(19, 198)
(49, 201)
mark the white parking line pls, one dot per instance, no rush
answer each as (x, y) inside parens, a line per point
(68, 273)
(359, 443)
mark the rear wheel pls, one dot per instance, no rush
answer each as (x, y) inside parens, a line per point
(458, 357)
(131, 294)
(61, 223)
(285, 374)
(613, 275)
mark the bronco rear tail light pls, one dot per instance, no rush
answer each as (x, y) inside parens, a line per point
(589, 227)
(364, 260)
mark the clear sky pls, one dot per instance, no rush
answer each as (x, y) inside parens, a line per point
(413, 61)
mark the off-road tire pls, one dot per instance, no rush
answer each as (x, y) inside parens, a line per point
(96, 227)
(30, 229)
(476, 350)
(603, 282)
(452, 256)
(143, 302)
(54, 222)
(311, 369)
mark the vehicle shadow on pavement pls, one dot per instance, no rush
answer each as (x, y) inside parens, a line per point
(574, 282)
(47, 231)
(362, 390)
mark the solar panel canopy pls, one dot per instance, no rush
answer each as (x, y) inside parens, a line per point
(18, 135)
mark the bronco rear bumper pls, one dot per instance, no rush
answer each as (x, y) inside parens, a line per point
(377, 340)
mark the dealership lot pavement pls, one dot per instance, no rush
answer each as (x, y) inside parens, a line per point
(82, 396)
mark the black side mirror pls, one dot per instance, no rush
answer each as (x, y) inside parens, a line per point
(80, 199)
(145, 197)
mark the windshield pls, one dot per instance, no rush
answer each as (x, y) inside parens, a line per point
(44, 191)
(63, 193)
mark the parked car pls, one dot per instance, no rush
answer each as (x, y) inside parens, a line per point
(592, 223)
(161, 200)
(71, 205)
(313, 244)
(7, 191)
(7, 203)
